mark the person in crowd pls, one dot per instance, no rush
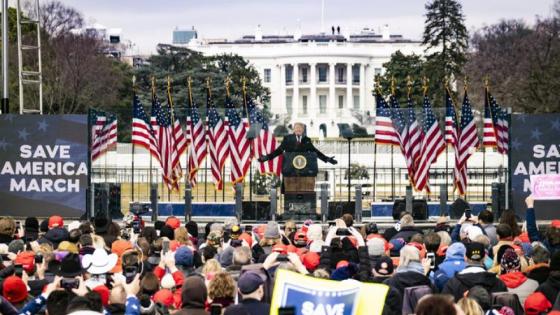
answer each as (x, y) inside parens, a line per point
(221, 290)
(539, 268)
(515, 281)
(551, 287)
(251, 288)
(453, 263)
(550, 238)
(486, 221)
(508, 217)
(436, 305)
(473, 275)
(470, 306)
(193, 296)
(406, 229)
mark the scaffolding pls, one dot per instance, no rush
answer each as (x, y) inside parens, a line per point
(29, 74)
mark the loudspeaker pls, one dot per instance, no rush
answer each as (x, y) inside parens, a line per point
(399, 206)
(338, 208)
(420, 210)
(115, 201)
(256, 211)
(457, 208)
(498, 198)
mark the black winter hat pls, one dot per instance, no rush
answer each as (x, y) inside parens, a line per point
(70, 266)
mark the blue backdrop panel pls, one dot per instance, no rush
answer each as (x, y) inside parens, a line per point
(385, 209)
(199, 209)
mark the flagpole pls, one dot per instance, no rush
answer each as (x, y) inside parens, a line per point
(133, 99)
(250, 141)
(172, 127)
(446, 143)
(208, 86)
(377, 87)
(188, 175)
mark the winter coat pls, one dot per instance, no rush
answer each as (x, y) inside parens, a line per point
(551, 287)
(538, 272)
(469, 278)
(518, 283)
(402, 280)
(406, 233)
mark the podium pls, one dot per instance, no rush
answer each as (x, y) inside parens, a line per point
(299, 170)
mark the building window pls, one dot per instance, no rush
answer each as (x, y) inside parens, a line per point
(356, 74)
(304, 75)
(289, 74)
(377, 71)
(322, 104)
(341, 101)
(304, 104)
(356, 101)
(340, 75)
(289, 100)
(322, 73)
(267, 75)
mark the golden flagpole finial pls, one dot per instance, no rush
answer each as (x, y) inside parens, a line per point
(227, 81)
(393, 85)
(466, 83)
(409, 85)
(377, 84)
(425, 82)
(486, 81)
(189, 88)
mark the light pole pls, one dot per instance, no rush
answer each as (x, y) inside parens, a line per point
(5, 40)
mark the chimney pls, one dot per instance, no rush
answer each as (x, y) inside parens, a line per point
(385, 33)
(258, 33)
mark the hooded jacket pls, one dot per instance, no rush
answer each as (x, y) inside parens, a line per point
(518, 283)
(538, 272)
(469, 278)
(551, 287)
(454, 262)
(193, 296)
(406, 279)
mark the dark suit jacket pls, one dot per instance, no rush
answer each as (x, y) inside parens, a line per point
(290, 144)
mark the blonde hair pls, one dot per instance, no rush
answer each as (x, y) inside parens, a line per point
(211, 266)
(445, 238)
(470, 306)
(222, 286)
(482, 239)
(7, 226)
(408, 253)
(321, 274)
(182, 235)
(98, 242)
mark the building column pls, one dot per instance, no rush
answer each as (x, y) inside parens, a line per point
(349, 98)
(312, 108)
(282, 93)
(362, 86)
(295, 94)
(331, 108)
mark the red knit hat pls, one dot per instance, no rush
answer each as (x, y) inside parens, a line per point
(310, 260)
(173, 222)
(27, 260)
(56, 221)
(104, 293)
(342, 263)
(536, 304)
(247, 238)
(14, 290)
(164, 296)
(119, 247)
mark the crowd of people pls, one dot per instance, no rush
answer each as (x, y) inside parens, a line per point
(472, 267)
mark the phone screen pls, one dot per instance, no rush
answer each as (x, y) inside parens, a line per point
(432, 258)
(165, 247)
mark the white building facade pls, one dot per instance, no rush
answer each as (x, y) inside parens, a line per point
(320, 80)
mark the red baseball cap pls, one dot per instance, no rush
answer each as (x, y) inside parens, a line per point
(173, 222)
(14, 290)
(280, 248)
(555, 224)
(536, 304)
(164, 296)
(310, 260)
(247, 238)
(342, 263)
(103, 293)
(55, 221)
(27, 260)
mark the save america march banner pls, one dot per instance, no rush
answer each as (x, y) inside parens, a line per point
(43, 165)
(312, 296)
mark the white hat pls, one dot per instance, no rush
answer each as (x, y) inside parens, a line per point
(473, 232)
(167, 281)
(73, 225)
(99, 262)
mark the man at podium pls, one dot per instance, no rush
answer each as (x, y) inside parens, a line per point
(297, 142)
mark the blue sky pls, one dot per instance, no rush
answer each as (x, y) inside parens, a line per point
(148, 23)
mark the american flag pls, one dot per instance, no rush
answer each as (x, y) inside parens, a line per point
(265, 142)
(142, 132)
(501, 126)
(106, 138)
(384, 131)
(489, 130)
(401, 128)
(239, 145)
(97, 121)
(197, 148)
(415, 136)
(156, 108)
(218, 144)
(178, 134)
(468, 142)
(432, 145)
(167, 148)
(451, 136)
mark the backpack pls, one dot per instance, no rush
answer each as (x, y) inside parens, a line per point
(411, 297)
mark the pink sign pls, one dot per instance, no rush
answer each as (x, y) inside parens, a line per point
(545, 186)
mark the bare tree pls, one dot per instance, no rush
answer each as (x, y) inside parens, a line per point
(58, 19)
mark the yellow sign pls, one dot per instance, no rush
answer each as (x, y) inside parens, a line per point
(311, 296)
(299, 162)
